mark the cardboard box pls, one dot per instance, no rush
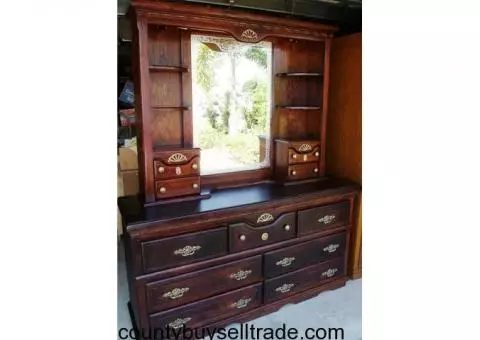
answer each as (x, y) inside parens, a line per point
(128, 158)
(129, 182)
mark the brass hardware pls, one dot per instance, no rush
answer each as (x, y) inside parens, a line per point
(305, 147)
(242, 303)
(265, 218)
(285, 262)
(330, 272)
(195, 185)
(194, 166)
(286, 227)
(176, 293)
(187, 250)
(178, 170)
(305, 158)
(294, 156)
(161, 169)
(179, 323)
(327, 219)
(294, 172)
(285, 288)
(265, 236)
(331, 248)
(315, 170)
(163, 190)
(248, 34)
(240, 275)
(243, 237)
(177, 158)
(317, 154)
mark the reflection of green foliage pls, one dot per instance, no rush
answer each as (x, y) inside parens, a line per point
(204, 72)
(257, 55)
(225, 112)
(256, 115)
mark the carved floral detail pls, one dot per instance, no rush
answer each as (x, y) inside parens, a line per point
(265, 218)
(249, 34)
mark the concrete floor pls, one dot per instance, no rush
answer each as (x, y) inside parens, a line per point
(341, 308)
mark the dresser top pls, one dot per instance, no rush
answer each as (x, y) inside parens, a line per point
(135, 213)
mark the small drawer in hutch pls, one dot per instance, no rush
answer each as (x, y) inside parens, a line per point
(200, 313)
(177, 187)
(303, 171)
(303, 152)
(324, 217)
(175, 164)
(279, 262)
(178, 250)
(201, 284)
(303, 279)
(243, 236)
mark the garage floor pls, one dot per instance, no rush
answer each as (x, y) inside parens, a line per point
(341, 308)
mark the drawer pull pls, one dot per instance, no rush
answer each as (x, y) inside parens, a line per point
(163, 190)
(179, 323)
(315, 170)
(330, 272)
(285, 288)
(305, 158)
(265, 218)
(285, 262)
(177, 158)
(195, 166)
(286, 227)
(265, 236)
(240, 275)
(242, 303)
(327, 219)
(187, 250)
(243, 237)
(176, 293)
(317, 154)
(178, 170)
(195, 185)
(294, 156)
(294, 172)
(161, 169)
(331, 248)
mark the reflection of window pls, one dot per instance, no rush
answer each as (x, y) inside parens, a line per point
(231, 103)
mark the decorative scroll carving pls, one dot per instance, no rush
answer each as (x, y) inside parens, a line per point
(330, 272)
(285, 262)
(285, 287)
(177, 158)
(179, 323)
(249, 35)
(265, 217)
(242, 303)
(305, 147)
(240, 275)
(187, 250)
(176, 293)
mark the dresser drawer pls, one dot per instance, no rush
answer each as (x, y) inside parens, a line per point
(200, 313)
(243, 236)
(165, 171)
(303, 171)
(279, 262)
(177, 187)
(303, 153)
(177, 156)
(324, 217)
(198, 285)
(172, 251)
(303, 279)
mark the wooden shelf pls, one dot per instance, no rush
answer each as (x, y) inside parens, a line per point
(288, 107)
(158, 68)
(170, 107)
(299, 74)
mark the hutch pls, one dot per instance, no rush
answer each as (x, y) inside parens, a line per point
(275, 233)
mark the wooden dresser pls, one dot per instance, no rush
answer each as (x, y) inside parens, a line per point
(240, 254)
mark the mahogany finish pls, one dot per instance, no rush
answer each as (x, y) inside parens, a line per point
(246, 249)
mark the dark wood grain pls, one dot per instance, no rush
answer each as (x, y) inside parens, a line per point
(303, 279)
(198, 285)
(167, 252)
(320, 218)
(282, 261)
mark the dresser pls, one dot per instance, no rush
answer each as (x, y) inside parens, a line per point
(240, 254)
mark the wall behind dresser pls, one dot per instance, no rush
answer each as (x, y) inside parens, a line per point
(344, 140)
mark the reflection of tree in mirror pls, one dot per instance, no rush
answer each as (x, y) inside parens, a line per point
(234, 81)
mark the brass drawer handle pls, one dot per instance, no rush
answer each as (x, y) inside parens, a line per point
(163, 190)
(187, 250)
(294, 172)
(195, 185)
(242, 303)
(195, 166)
(161, 169)
(285, 288)
(331, 248)
(317, 154)
(179, 323)
(243, 238)
(286, 227)
(176, 293)
(240, 275)
(327, 219)
(330, 272)
(264, 236)
(294, 156)
(315, 170)
(285, 262)
(178, 171)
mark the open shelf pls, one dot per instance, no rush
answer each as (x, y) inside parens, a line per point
(299, 74)
(293, 107)
(159, 68)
